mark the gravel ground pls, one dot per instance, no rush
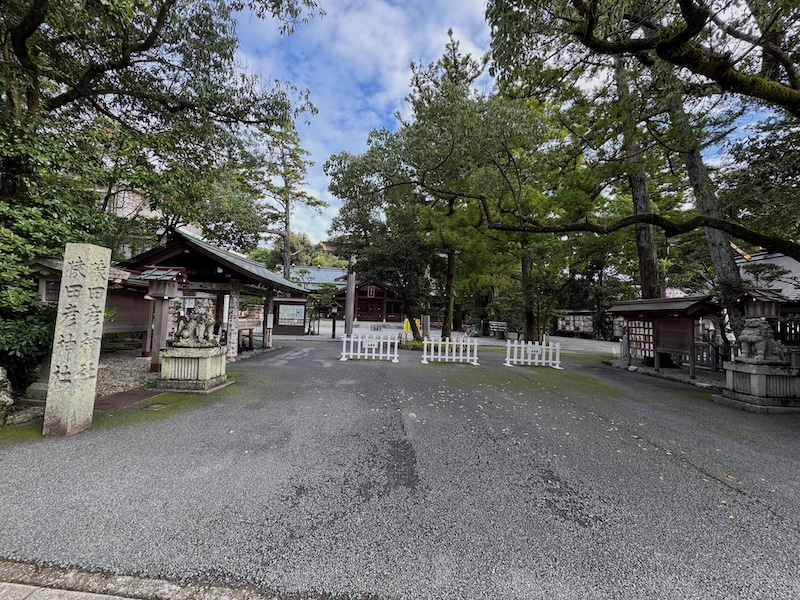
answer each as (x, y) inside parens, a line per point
(126, 369)
(118, 371)
(123, 370)
(315, 478)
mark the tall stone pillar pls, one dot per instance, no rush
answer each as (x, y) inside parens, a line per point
(233, 319)
(160, 326)
(76, 343)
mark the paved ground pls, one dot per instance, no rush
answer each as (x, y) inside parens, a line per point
(314, 478)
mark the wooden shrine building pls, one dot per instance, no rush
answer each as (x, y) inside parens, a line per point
(374, 302)
(211, 272)
(664, 325)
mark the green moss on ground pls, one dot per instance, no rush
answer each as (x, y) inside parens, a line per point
(144, 411)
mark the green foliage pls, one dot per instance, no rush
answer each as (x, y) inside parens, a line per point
(477, 170)
(303, 251)
(690, 37)
(511, 309)
(384, 234)
(285, 170)
(25, 337)
(265, 256)
(323, 297)
(759, 185)
(113, 109)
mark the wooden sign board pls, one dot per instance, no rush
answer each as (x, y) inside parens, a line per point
(674, 335)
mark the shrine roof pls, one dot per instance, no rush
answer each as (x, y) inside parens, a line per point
(689, 306)
(183, 246)
(787, 284)
(312, 277)
(765, 295)
(154, 273)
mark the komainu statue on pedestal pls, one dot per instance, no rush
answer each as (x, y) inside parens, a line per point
(198, 331)
(758, 344)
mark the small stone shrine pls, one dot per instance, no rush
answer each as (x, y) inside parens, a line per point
(760, 379)
(76, 343)
(196, 361)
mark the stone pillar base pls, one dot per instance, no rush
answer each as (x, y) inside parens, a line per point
(198, 370)
(761, 388)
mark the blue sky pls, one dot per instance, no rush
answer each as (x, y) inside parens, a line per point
(355, 61)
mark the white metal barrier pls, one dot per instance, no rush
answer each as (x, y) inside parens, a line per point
(519, 352)
(370, 346)
(444, 350)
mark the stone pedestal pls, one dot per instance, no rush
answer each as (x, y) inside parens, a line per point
(199, 370)
(36, 393)
(761, 388)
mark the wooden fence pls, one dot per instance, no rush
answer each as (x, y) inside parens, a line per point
(534, 354)
(464, 350)
(371, 347)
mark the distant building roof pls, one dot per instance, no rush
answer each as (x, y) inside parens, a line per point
(788, 285)
(311, 277)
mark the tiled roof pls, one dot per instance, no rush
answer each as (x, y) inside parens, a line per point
(789, 284)
(163, 274)
(688, 306)
(764, 294)
(243, 264)
(247, 270)
(313, 276)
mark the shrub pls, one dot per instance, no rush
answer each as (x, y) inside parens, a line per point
(24, 339)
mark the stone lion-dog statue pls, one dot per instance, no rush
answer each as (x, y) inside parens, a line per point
(758, 345)
(198, 330)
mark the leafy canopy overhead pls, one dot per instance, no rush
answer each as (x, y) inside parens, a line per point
(746, 47)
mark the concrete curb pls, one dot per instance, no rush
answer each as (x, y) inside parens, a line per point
(35, 582)
(16, 591)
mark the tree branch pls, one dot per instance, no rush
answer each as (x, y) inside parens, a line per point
(82, 88)
(676, 46)
(765, 42)
(27, 26)
(670, 227)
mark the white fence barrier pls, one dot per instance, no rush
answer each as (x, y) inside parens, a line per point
(444, 350)
(370, 346)
(533, 353)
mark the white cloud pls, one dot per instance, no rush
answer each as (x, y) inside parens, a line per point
(356, 63)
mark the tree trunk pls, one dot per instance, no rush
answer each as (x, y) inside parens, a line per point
(530, 332)
(287, 246)
(412, 321)
(447, 325)
(728, 279)
(649, 275)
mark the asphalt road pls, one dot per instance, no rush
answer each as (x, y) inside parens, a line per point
(316, 478)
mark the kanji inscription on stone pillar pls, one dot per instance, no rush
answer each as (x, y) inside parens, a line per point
(76, 343)
(233, 318)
